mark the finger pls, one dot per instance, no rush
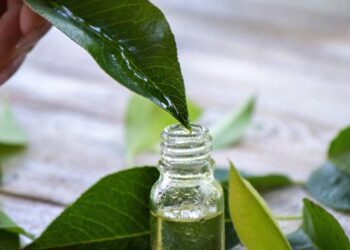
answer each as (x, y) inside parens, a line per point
(2, 7)
(10, 34)
(30, 21)
(12, 3)
(9, 70)
(28, 41)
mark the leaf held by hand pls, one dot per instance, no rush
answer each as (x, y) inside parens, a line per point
(130, 40)
(144, 122)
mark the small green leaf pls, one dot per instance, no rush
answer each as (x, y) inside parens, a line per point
(221, 174)
(130, 40)
(260, 182)
(339, 150)
(11, 133)
(9, 241)
(268, 181)
(112, 214)
(231, 128)
(231, 237)
(12, 137)
(144, 122)
(320, 231)
(6, 224)
(322, 228)
(330, 186)
(251, 216)
(9, 233)
(300, 241)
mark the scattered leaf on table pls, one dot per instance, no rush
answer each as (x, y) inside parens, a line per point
(259, 182)
(144, 122)
(9, 233)
(130, 40)
(11, 133)
(300, 241)
(112, 214)
(339, 150)
(231, 237)
(231, 128)
(320, 231)
(322, 228)
(118, 218)
(251, 217)
(12, 137)
(268, 181)
(330, 186)
(9, 241)
(8, 225)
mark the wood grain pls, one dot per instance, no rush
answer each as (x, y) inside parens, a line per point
(296, 59)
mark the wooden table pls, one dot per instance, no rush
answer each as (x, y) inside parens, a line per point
(295, 56)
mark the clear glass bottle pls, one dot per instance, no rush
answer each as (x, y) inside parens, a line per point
(187, 203)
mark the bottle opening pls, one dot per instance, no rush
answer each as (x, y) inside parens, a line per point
(180, 144)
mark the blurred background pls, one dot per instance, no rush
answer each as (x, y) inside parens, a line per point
(293, 55)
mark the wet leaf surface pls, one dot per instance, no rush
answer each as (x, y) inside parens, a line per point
(130, 40)
(330, 186)
(144, 122)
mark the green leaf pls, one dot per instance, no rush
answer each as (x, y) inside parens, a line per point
(320, 230)
(9, 233)
(259, 182)
(330, 186)
(12, 137)
(144, 122)
(231, 128)
(231, 237)
(9, 241)
(11, 133)
(268, 181)
(251, 216)
(6, 224)
(112, 214)
(339, 150)
(300, 241)
(130, 40)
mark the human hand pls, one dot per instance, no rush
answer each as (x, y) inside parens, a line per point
(20, 29)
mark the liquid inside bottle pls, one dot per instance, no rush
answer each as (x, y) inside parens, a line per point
(187, 204)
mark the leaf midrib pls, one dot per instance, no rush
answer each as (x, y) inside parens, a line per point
(100, 240)
(113, 47)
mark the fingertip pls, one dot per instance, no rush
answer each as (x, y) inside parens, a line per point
(30, 21)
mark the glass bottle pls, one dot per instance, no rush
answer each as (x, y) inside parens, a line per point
(187, 203)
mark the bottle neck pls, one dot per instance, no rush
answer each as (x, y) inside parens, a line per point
(186, 154)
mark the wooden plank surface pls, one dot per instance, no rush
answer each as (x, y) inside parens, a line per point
(296, 59)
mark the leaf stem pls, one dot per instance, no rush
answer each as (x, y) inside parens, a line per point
(288, 217)
(299, 182)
